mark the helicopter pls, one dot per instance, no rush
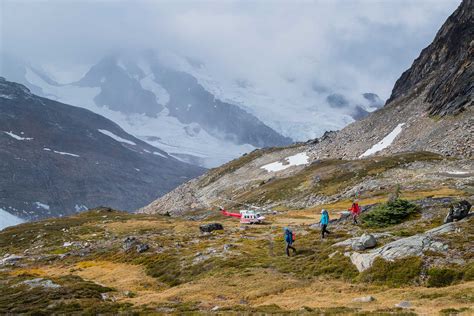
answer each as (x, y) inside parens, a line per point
(247, 216)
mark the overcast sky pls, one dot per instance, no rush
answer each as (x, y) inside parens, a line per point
(357, 45)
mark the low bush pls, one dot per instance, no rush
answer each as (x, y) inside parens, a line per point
(397, 273)
(390, 213)
(444, 276)
(439, 277)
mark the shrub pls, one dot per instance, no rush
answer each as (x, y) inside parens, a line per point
(469, 272)
(397, 273)
(439, 277)
(390, 213)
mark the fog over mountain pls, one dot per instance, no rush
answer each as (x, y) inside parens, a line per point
(285, 63)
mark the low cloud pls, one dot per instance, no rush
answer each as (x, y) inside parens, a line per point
(281, 47)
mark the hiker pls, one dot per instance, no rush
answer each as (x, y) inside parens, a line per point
(289, 239)
(324, 222)
(355, 211)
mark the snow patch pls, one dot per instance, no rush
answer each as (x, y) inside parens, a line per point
(42, 205)
(385, 142)
(61, 152)
(117, 138)
(65, 153)
(7, 219)
(295, 160)
(7, 96)
(80, 208)
(159, 154)
(13, 135)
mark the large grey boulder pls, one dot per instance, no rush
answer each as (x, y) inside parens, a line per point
(10, 259)
(349, 242)
(458, 211)
(405, 247)
(364, 242)
(40, 282)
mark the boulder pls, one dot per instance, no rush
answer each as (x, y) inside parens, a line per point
(350, 241)
(403, 304)
(458, 211)
(364, 242)
(142, 248)
(129, 243)
(10, 259)
(207, 228)
(364, 299)
(40, 282)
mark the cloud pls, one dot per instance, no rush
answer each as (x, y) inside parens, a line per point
(282, 47)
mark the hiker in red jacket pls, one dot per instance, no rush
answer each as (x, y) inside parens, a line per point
(355, 211)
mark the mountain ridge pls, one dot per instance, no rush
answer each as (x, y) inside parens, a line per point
(79, 158)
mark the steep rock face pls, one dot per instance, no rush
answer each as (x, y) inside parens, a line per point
(56, 159)
(440, 82)
(445, 65)
(119, 91)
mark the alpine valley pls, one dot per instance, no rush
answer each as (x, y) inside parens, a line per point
(409, 165)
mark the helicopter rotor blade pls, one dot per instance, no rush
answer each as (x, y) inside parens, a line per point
(248, 205)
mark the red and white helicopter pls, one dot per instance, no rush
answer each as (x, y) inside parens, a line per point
(248, 216)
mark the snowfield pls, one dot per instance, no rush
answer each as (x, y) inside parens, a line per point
(161, 95)
(7, 219)
(164, 132)
(385, 142)
(117, 138)
(13, 135)
(295, 160)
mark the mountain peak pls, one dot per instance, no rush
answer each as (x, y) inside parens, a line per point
(445, 66)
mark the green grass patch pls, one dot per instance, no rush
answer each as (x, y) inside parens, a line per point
(395, 274)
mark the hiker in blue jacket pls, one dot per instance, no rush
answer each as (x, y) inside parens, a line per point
(289, 239)
(324, 222)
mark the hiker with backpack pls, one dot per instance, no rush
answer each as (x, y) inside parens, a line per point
(289, 239)
(324, 222)
(355, 212)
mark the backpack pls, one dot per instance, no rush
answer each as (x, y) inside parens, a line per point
(289, 236)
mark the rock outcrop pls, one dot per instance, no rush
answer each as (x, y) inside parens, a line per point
(447, 63)
(405, 247)
(458, 211)
(207, 228)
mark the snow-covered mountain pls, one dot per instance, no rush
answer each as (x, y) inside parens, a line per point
(188, 110)
(167, 108)
(57, 159)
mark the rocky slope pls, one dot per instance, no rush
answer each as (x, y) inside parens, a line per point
(400, 143)
(56, 159)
